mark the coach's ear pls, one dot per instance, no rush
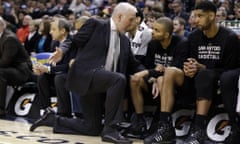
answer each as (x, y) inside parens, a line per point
(138, 19)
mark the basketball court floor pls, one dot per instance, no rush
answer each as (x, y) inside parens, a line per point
(23, 108)
(15, 130)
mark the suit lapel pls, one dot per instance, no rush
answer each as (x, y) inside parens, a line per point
(2, 38)
(107, 31)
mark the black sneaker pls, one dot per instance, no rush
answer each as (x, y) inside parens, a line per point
(234, 136)
(137, 129)
(165, 134)
(196, 136)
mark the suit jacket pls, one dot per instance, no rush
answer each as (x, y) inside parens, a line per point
(63, 65)
(12, 53)
(29, 43)
(92, 42)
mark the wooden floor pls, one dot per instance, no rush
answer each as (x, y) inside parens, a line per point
(17, 132)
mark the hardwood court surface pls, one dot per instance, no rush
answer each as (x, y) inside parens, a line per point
(17, 132)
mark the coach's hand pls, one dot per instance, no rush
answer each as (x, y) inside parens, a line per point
(55, 57)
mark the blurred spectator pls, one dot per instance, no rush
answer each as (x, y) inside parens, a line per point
(60, 8)
(72, 19)
(23, 32)
(150, 19)
(179, 27)
(10, 18)
(7, 6)
(158, 7)
(32, 37)
(197, 2)
(108, 8)
(221, 15)
(86, 13)
(167, 7)
(77, 6)
(98, 3)
(13, 18)
(217, 3)
(188, 5)
(237, 11)
(227, 4)
(92, 8)
(140, 35)
(43, 43)
(20, 15)
(147, 10)
(191, 22)
(178, 10)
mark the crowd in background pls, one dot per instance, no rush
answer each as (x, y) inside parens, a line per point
(14, 12)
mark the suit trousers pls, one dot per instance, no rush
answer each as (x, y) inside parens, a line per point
(10, 76)
(63, 96)
(105, 86)
(51, 84)
(229, 92)
(45, 85)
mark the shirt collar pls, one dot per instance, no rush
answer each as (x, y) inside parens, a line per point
(113, 25)
(63, 40)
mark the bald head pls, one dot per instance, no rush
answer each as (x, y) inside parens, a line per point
(26, 20)
(124, 14)
(122, 8)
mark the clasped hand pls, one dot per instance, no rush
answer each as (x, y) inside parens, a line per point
(190, 67)
(39, 69)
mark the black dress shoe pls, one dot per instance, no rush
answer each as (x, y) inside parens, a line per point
(46, 120)
(2, 113)
(115, 137)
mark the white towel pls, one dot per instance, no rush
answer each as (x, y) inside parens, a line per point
(238, 100)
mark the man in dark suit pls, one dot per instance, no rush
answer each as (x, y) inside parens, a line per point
(99, 69)
(47, 75)
(15, 64)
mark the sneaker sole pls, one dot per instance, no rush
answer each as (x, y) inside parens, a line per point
(163, 142)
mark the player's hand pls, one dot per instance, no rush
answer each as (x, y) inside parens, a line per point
(155, 90)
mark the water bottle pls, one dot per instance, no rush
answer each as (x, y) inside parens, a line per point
(33, 58)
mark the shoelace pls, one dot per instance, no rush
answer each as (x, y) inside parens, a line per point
(158, 137)
(197, 134)
(194, 142)
(162, 128)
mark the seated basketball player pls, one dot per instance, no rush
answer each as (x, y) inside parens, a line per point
(164, 59)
